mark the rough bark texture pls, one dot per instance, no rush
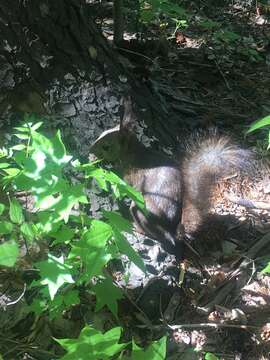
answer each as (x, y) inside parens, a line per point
(54, 62)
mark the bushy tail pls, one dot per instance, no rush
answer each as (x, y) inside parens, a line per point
(208, 160)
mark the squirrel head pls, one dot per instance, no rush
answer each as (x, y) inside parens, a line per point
(113, 144)
(108, 145)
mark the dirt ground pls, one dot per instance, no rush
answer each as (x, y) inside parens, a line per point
(219, 300)
(222, 306)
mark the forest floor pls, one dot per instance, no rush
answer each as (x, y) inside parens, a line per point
(214, 72)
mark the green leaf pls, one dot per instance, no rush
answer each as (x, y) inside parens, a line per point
(155, 351)
(9, 252)
(63, 236)
(2, 208)
(15, 212)
(210, 356)
(5, 227)
(71, 298)
(28, 231)
(60, 303)
(48, 222)
(38, 306)
(20, 157)
(36, 126)
(119, 224)
(50, 197)
(53, 148)
(4, 165)
(12, 171)
(22, 136)
(99, 174)
(266, 269)
(59, 149)
(18, 147)
(42, 169)
(120, 187)
(56, 306)
(102, 289)
(3, 152)
(81, 219)
(93, 345)
(117, 221)
(23, 129)
(91, 249)
(61, 197)
(136, 196)
(125, 248)
(259, 124)
(123, 189)
(54, 273)
(74, 195)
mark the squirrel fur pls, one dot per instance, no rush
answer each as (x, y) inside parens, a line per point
(177, 194)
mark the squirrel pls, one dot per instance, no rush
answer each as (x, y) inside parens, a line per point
(177, 193)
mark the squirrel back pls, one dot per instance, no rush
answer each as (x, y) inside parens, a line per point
(176, 193)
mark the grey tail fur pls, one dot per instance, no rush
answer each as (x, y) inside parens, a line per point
(208, 160)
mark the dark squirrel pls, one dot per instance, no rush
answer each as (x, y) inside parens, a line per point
(177, 193)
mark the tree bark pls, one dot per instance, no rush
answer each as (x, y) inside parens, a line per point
(55, 63)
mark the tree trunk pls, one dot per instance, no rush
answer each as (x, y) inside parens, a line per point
(54, 62)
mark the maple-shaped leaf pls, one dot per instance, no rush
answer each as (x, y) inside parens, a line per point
(93, 345)
(63, 235)
(125, 248)
(117, 221)
(54, 273)
(91, 249)
(73, 196)
(155, 351)
(120, 224)
(102, 289)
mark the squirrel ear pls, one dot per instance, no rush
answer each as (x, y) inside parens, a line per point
(127, 115)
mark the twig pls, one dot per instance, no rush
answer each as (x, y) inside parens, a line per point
(223, 76)
(212, 325)
(191, 248)
(146, 318)
(12, 350)
(135, 53)
(252, 274)
(246, 261)
(19, 298)
(264, 205)
(148, 284)
(195, 63)
(252, 252)
(221, 295)
(200, 325)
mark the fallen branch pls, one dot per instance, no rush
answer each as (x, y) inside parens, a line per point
(200, 325)
(253, 204)
(228, 286)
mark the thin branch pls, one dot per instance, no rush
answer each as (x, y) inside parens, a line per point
(19, 298)
(201, 325)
